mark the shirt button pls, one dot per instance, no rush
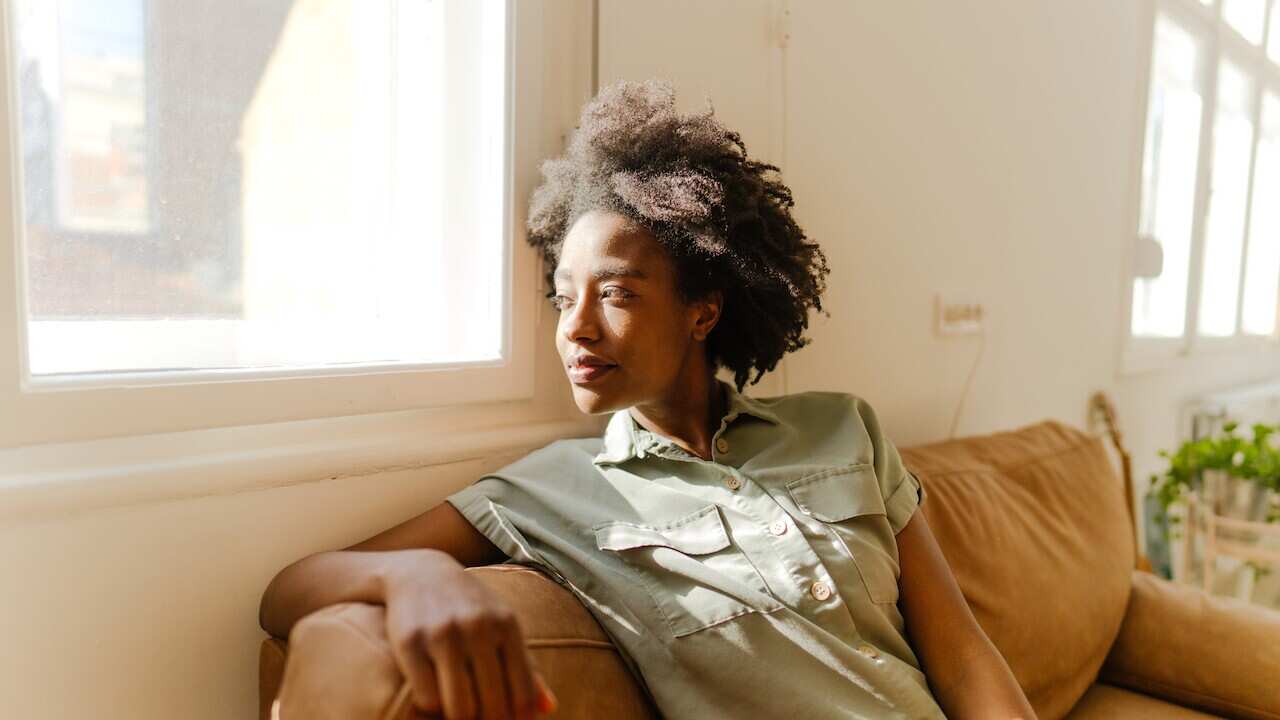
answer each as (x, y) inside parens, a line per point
(869, 651)
(722, 445)
(820, 590)
(778, 527)
(732, 481)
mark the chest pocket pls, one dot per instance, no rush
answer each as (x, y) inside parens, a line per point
(848, 501)
(696, 576)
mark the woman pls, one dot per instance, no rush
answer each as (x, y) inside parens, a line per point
(750, 557)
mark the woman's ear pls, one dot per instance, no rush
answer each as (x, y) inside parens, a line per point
(708, 314)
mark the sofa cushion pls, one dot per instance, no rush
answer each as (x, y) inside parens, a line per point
(1105, 702)
(1034, 526)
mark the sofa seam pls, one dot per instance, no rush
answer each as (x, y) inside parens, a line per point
(1003, 468)
(568, 643)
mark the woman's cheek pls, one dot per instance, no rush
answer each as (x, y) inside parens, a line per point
(622, 321)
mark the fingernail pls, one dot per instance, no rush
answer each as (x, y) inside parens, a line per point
(546, 699)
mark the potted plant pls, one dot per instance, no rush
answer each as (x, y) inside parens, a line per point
(1233, 475)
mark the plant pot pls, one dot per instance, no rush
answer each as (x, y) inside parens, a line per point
(1235, 497)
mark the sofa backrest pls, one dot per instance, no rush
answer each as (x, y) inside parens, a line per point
(1034, 525)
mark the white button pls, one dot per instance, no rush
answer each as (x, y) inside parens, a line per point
(722, 445)
(820, 591)
(732, 481)
(778, 527)
(869, 651)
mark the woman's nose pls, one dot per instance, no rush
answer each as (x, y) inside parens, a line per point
(579, 321)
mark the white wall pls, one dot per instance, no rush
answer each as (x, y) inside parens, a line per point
(983, 149)
(986, 150)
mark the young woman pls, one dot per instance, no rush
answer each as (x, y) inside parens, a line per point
(750, 557)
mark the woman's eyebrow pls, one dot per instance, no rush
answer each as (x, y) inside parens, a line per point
(607, 273)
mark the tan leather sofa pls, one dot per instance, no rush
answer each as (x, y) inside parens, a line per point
(1035, 527)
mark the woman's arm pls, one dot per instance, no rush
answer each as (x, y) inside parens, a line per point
(968, 676)
(328, 578)
(457, 643)
(439, 536)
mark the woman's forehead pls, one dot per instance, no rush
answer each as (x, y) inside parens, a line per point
(608, 241)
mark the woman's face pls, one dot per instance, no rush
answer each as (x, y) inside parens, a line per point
(616, 292)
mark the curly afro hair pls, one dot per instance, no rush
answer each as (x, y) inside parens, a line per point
(723, 218)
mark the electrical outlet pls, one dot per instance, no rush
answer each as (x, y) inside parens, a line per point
(958, 318)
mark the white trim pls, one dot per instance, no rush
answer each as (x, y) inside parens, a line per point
(1140, 354)
(1207, 73)
(47, 481)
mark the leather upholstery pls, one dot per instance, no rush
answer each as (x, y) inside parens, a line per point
(341, 667)
(1216, 653)
(1104, 702)
(1033, 523)
(1034, 526)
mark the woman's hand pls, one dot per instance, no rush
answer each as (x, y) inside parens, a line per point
(459, 645)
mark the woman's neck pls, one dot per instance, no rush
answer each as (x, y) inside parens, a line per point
(689, 415)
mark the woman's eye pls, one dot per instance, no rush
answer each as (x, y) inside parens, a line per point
(562, 302)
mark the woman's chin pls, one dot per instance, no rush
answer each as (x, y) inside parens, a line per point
(592, 401)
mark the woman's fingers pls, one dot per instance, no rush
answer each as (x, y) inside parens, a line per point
(420, 672)
(491, 683)
(547, 702)
(453, 672)
(519, 676)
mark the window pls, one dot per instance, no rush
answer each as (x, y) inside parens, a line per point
(1209, 179)
(326, 189)
(254, 211)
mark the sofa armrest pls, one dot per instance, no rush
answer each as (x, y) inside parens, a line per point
(339, 663)
(1182, 644)
(271, 657)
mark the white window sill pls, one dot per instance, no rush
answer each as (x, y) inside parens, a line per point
(1144, 355)
(43, 481)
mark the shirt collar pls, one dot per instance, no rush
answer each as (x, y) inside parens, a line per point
(624, 438)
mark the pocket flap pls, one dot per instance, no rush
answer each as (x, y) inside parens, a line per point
(837, 494)
(697, 533)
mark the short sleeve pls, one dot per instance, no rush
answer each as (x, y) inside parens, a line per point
(902, 490)
(486, 505)
(902, 503)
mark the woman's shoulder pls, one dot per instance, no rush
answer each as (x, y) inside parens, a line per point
(820, 405)
(555, 460)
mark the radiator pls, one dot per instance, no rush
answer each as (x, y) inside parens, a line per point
(1246, 405)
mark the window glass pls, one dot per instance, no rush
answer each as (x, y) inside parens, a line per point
(261, 183)
(1169, 180)
(1246, 17)
(1262, 270)
(1224, 230)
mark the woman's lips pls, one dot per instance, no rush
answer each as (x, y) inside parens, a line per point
(583, 374)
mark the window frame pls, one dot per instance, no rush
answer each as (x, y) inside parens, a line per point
(66, 410)
(1218, 41)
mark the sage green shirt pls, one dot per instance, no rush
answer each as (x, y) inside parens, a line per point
(760, 583)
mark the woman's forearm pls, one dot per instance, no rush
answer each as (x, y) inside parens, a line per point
(328, 578)
(976, 682)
